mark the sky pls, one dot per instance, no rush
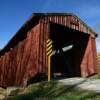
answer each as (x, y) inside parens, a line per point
(14, 13)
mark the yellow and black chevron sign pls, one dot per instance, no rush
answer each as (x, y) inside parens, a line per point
(49, 54)
(49, 47)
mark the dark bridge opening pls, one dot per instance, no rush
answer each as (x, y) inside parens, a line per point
(69, 46)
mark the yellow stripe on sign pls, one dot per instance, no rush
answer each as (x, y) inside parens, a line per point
(50, 47)
(49, 52)
(48, 40)
(49, 43)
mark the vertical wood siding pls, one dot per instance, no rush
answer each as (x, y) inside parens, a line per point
(21, 62)
(89, 62)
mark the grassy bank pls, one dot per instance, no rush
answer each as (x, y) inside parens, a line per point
(54, 91)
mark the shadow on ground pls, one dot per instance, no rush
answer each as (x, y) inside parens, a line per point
(55, 91)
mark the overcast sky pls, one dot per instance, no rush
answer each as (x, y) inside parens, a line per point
(14, 13)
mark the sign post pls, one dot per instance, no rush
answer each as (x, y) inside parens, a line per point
(49, 54)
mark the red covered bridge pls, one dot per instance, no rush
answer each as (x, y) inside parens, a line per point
(24, 57)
